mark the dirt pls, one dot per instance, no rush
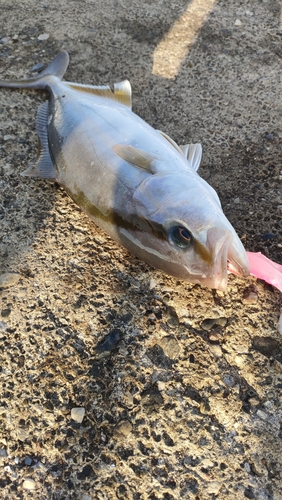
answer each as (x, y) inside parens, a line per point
(181, 385)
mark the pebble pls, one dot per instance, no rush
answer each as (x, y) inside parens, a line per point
(238, 22)
(43, 36)
(170, 347)
(250, 296)
(29, 484)
(208, 323)
(152, 284)
(8, 137)
(123, 428)
(3, 453)
(268, 236)
(279, 325)
(6, 39)
(206, 463)
(9, 279)
(247, 467)
(215, 337)
(77, 414)
(237, 201)
(28, 461)
(216, 350)
(213, 488)
(228, 380)
(108, 343)
(205, 407)
(261, 414)
(85, 497)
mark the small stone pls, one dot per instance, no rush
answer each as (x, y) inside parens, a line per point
(170, 347)
(29, 484)
(215, 336)
(247, 467)
(228, 380)
(216, 350)
(254, 402)
(108, 343)
(209, 323)
(269, 236)
(205, 407)
(28, 461)
(123, 428)
(85, 497)
(279, 326)
(249, 493)
(152, 283)
(3, 453)
(238, 22)
(250, 296)
(44, 36)
(237, 201)
(206, 463)
(77, 414)
(9, 137)
(5, 39)
(261, 414)
(9, 279)
(213, 488)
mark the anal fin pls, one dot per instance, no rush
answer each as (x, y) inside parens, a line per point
(44, 167)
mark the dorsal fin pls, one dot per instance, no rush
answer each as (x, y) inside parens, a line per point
(137, 157)
(193, 153)
(172, 142)
(121, 93)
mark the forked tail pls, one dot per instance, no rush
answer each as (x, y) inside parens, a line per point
(56, 68)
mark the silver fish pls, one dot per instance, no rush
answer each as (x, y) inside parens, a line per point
(134, 181)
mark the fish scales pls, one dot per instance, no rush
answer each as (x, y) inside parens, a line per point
(133, 181)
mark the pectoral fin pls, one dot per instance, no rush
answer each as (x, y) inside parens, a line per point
(137, 157)
(44, 166)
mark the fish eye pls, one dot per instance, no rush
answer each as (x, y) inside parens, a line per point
(180, 236)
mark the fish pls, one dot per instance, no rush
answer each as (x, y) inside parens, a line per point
(135, 182)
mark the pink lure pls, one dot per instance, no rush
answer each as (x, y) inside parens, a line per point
(265, 269)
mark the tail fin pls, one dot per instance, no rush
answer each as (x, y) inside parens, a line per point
(56, 68)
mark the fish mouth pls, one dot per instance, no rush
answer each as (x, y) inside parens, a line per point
(237, 260)
(229, 257)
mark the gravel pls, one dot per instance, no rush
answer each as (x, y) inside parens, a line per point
(176, 388)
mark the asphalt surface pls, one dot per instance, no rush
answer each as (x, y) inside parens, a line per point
(178, 387)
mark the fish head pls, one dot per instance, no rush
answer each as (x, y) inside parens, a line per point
(179, 227)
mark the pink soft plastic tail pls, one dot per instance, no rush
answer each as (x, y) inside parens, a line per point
(265, 269)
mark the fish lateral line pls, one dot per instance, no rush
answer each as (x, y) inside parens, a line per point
(116, 219)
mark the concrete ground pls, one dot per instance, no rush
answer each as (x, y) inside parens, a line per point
(186, 402)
